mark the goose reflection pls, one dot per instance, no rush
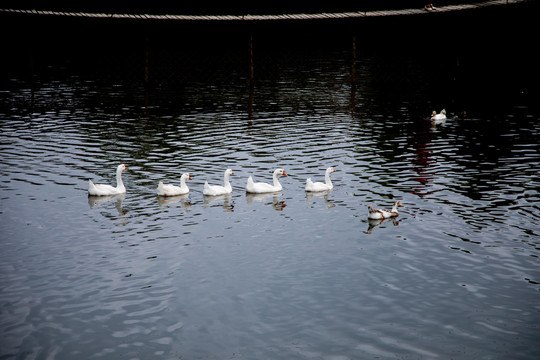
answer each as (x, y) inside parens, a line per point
(94, 201)
(276, 204)
(168, 200)
(208, 200)
(373, 223)
(325, 194)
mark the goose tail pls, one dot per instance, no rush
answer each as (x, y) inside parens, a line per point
(309, 184)
(160, 185)
(249, 185)
(91, 187)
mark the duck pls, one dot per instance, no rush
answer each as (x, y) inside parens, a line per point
(440, 116)
(214, 190)
(172, 190)
(383, 214)
(105, 190)
(260, 187)
(319, 186)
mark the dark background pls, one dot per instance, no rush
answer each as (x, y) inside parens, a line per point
(490, 50)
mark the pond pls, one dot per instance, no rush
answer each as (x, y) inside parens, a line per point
(290, 275)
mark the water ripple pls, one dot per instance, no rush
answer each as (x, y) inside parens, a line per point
(285, 275)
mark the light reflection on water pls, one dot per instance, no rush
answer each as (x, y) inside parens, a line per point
(287, 275)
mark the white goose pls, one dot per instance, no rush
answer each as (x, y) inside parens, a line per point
(104, 190)
(319, 186)
(383, 214)
(215, 190)
(172, 190)
(259, 187)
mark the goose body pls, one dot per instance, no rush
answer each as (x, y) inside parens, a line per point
(383, 214)
(260, 187)
(104, 189)
(172, 190)
(214, 190)
(319, 186)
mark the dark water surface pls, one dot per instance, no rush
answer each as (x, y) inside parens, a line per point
(284, 276)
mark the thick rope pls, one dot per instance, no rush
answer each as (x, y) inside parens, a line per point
(320, 16)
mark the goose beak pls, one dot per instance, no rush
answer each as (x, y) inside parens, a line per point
(125, 167)
(284, 173)
(400, 204)
(189, 177)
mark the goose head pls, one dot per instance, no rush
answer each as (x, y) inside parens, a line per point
(396, 204)
(280, 172)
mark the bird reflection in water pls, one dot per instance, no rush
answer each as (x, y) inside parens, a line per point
(168, 200)
(373, 223)
(325, 194)
(276, 203)
(95, 201)
(228, 206)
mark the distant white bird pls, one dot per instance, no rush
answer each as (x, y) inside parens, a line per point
(219, 190)
(172, 190)
(438, 117)
(104, 190)
(319, 186)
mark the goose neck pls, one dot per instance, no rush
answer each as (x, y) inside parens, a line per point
(119, 182)
(276, 181)
(183, 181)
(327, 179)
(226, 182)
